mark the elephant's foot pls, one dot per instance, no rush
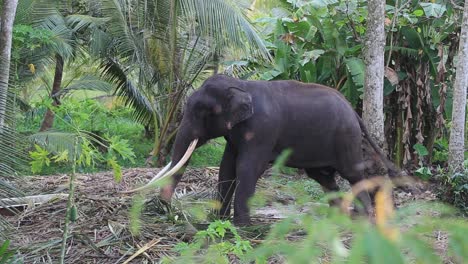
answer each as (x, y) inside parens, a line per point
(242, 220)
(223, 215)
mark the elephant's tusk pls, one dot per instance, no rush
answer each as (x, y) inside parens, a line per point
(183, 160)
(163, 174)
(168, 166)
(160, 173)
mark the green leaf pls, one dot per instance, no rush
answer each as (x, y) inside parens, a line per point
(73, 213)
(420, 249)
(356, 68)
(424, 173)
(121, 147)
(350, 91)
(4, 247)
(433, 9)
(380, 250)
(281, 161)
(321, 3)
(312, 55)
(421, 150)
(62, 156)
(357, 252)
(116, 168)
(5, 254)
(418, 12)
(39, 159)
(135, 212)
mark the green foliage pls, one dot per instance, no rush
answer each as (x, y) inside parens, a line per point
(316, 41)
(454, 189)
(423, 172)
(28, 42)
(212, 245)
(441, 151)
(120, 147)
(112, 132)
(280, 161)
(25, 36)
(6, 255)
(331, 236)
(40, 158)
(135, 214)
(87, 156)
(209, 155)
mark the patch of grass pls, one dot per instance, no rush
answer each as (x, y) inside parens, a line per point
(210, 154)
(303, 190)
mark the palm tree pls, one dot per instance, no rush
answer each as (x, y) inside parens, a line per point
(8, 16)
(157, 50)
(65, 47)
(9, 155)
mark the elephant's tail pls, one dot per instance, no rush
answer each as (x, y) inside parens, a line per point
(393, 171)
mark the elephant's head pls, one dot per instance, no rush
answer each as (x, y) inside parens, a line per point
(210, 112)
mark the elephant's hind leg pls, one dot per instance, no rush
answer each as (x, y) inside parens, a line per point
(350, 166)
(326, 178)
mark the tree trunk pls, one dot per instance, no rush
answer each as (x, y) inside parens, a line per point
(457, 131)
(373, 115)
(49, 116)
(6, 34)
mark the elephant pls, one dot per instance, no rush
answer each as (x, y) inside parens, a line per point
(260, 119)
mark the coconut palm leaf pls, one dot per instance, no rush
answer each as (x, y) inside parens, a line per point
(33, 11)
(81, 22)
(225, 23)
(87, 82)
(114, 73)
(62, 35)
(12, 157)
(55, 141)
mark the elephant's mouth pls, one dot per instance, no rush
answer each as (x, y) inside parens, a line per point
(165, 173)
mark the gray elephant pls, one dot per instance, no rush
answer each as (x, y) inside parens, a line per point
(260, 119)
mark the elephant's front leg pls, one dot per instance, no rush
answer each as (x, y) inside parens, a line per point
(227, 180)
(250, 166)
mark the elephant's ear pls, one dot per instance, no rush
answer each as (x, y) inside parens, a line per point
(240, 105)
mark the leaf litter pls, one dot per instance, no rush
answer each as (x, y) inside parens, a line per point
(102, 232)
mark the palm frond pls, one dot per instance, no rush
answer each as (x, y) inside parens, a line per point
(87, 82)
(409, 52)
(132, 96)
(62, 42)
(55, 141)
(226, 24)
(12, 155)
(30, 12)
(80, 22)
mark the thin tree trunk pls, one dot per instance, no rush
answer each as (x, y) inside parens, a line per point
(49, 116)
(372, 114)
(457, 131)
(6, 35)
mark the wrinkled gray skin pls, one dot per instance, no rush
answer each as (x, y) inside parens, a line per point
(260, 119)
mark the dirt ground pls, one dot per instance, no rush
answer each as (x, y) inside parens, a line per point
(102, 232)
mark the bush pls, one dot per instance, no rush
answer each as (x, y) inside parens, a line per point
(94, 118)
(328, 236)
(454, 190)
